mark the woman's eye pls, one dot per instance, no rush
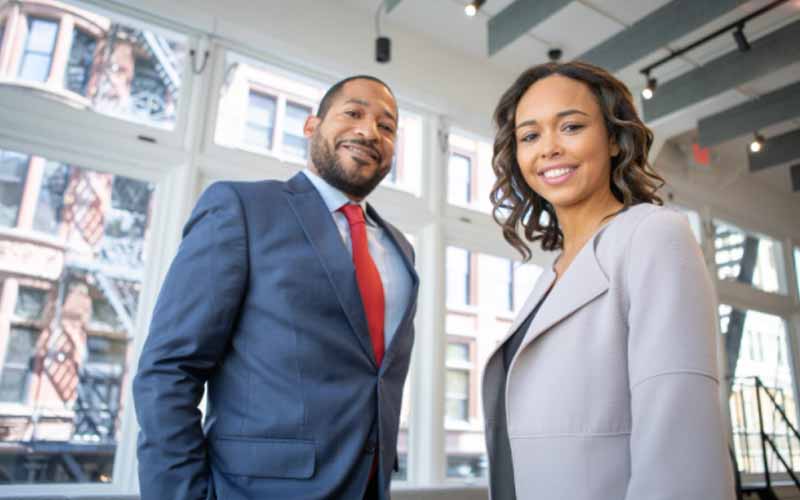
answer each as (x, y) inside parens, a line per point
(352, 114)
(572, 127)
(529, 137)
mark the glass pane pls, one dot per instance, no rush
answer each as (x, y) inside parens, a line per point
(797, 268)
(30, 303)
(749, 258)
(458, 182)
(457, 352)
(13, 170)
(470, 174)
(81, 57)
(406, 167)
(41, 36)
(16, 370)
(294, 143)
(756, 346)
(34, 67)
(458, 276)
(260, 120)
(72, 368)
(50, 205)
(484, 323)
(114, 66)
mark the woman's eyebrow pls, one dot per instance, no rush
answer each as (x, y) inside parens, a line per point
(560, 114)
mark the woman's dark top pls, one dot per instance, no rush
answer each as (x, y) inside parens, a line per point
(503, 446)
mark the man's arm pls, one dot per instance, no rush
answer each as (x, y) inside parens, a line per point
(189, 332)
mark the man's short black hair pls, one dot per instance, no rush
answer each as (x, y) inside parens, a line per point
(330, 95)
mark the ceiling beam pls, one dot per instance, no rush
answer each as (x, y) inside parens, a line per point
(768, 109)
(776, 151)
(519, 18)
(767, 54)
(390, 4)
(655, 31)
(794, 171)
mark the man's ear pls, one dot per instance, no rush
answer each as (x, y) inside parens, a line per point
(310, 126)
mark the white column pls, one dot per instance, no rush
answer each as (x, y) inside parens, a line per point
(426, 461)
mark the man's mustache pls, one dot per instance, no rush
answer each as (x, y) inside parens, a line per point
(363, 143)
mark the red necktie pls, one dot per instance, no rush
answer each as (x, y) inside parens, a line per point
(368, 277)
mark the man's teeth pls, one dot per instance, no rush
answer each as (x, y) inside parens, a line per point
(557, 172)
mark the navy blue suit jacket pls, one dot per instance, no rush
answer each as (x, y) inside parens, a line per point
(262, 304)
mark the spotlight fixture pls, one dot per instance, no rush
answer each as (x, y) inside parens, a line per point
(741, 39)
(473, 7)
(757, 144)
(650, 90)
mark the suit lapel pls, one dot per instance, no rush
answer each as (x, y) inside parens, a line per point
(583, 281)
(321, 231)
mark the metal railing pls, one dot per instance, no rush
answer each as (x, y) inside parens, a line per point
(765, 439)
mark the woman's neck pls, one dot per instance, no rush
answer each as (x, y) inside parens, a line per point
(580, 221)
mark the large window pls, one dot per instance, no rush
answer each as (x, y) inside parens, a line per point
(756, 345)
(797, 268)
(749, 258)
(108, 65)
(64, 343)
(37, 55)
(484, 292)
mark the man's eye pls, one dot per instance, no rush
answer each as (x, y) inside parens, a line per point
(387, 128)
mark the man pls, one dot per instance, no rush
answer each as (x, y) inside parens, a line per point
(297, 312)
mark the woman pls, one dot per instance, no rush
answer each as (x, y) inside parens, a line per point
(606, 386)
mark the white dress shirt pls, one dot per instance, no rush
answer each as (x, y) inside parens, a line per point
(395, 277)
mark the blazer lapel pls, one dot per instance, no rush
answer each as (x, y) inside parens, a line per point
(582, 283)
(321, 231)
(399, 242)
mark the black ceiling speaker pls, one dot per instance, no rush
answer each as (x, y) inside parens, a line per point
(383, 49)
(554, 55)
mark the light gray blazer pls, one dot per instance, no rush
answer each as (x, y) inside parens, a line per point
(614, 391)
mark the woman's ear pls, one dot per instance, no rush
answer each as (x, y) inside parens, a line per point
(613, 147)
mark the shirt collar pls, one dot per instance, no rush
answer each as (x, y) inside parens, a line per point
(333, 198)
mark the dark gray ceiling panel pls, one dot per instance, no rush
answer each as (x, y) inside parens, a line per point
(768, 109)
(776, 151)
(769, 53)
(519, 18)
(655, 31)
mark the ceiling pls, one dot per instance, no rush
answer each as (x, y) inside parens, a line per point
(580, 25)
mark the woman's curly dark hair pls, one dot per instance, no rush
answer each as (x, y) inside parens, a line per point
(518, 207)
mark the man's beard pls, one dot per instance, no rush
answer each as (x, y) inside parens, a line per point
(330, 168)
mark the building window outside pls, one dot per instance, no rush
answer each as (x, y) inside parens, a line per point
(37, 56)
(459, 277)
(756, 346)
(470, 176)
(13, 171)
(459, 181)
(81, 58)
(749, 258)
(457, 381)
(294, 142)
(260, 128)
(18, 364)
(49, 207)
